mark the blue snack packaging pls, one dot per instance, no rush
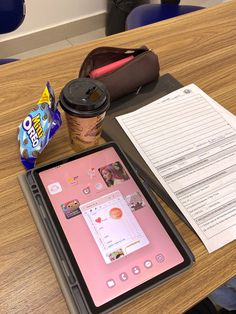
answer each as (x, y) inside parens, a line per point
(38, 128)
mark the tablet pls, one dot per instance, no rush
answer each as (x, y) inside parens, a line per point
(111, 236)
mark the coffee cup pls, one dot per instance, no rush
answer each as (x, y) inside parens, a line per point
(85, 102)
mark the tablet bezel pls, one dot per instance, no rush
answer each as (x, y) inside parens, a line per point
(157, 209)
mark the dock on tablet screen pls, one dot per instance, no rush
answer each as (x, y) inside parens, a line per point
(114, 227)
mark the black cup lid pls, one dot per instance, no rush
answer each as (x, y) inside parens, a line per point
(84, 97)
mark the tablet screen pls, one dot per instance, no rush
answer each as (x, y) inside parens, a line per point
(116, 237)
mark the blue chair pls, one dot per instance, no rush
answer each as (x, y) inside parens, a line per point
(8, 60)
(12, 14)
(152, 13)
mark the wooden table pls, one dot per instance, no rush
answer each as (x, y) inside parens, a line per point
(199, 48)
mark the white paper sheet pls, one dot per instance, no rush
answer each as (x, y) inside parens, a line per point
(189, 142)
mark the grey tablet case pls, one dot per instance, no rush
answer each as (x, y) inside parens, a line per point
(112, 131)
(58, 257)
(52, 253)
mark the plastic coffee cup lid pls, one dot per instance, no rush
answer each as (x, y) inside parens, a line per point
(84, 97)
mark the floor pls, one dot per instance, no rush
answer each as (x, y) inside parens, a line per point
(97, 33)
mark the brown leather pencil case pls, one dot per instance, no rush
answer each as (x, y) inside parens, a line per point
(129, 77)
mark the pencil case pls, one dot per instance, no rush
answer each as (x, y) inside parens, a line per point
(123, 70)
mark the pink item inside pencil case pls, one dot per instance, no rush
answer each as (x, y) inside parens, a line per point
(109, 67)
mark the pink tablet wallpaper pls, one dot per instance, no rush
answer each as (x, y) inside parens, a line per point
(117, 240)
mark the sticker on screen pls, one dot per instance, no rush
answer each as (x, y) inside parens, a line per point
(113, 174)
(114, 227)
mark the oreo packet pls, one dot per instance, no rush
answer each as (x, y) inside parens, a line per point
(38, 128)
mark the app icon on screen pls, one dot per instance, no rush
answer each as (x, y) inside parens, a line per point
(71, 208)
(116, 254)
(54, 188)
(92, 173)
(136, 270)
(160, 258)
(113, 174)
(86, 190)
(73, 180)
(135, 201)
(123, 277)
(111, 283)
(99, 186)
(148, 263)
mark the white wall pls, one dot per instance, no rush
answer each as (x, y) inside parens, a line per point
(43, 14)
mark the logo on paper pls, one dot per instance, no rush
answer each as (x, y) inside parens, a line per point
(54, 188)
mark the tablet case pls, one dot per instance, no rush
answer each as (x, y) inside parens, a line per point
(73, 309)
(113, 131)
(75, 301)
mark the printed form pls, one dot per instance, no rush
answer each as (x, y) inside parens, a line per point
(189, 142)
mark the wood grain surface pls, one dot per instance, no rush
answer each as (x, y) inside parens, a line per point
(199, 48)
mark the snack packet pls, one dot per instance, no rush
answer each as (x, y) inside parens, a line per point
(38, 127)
